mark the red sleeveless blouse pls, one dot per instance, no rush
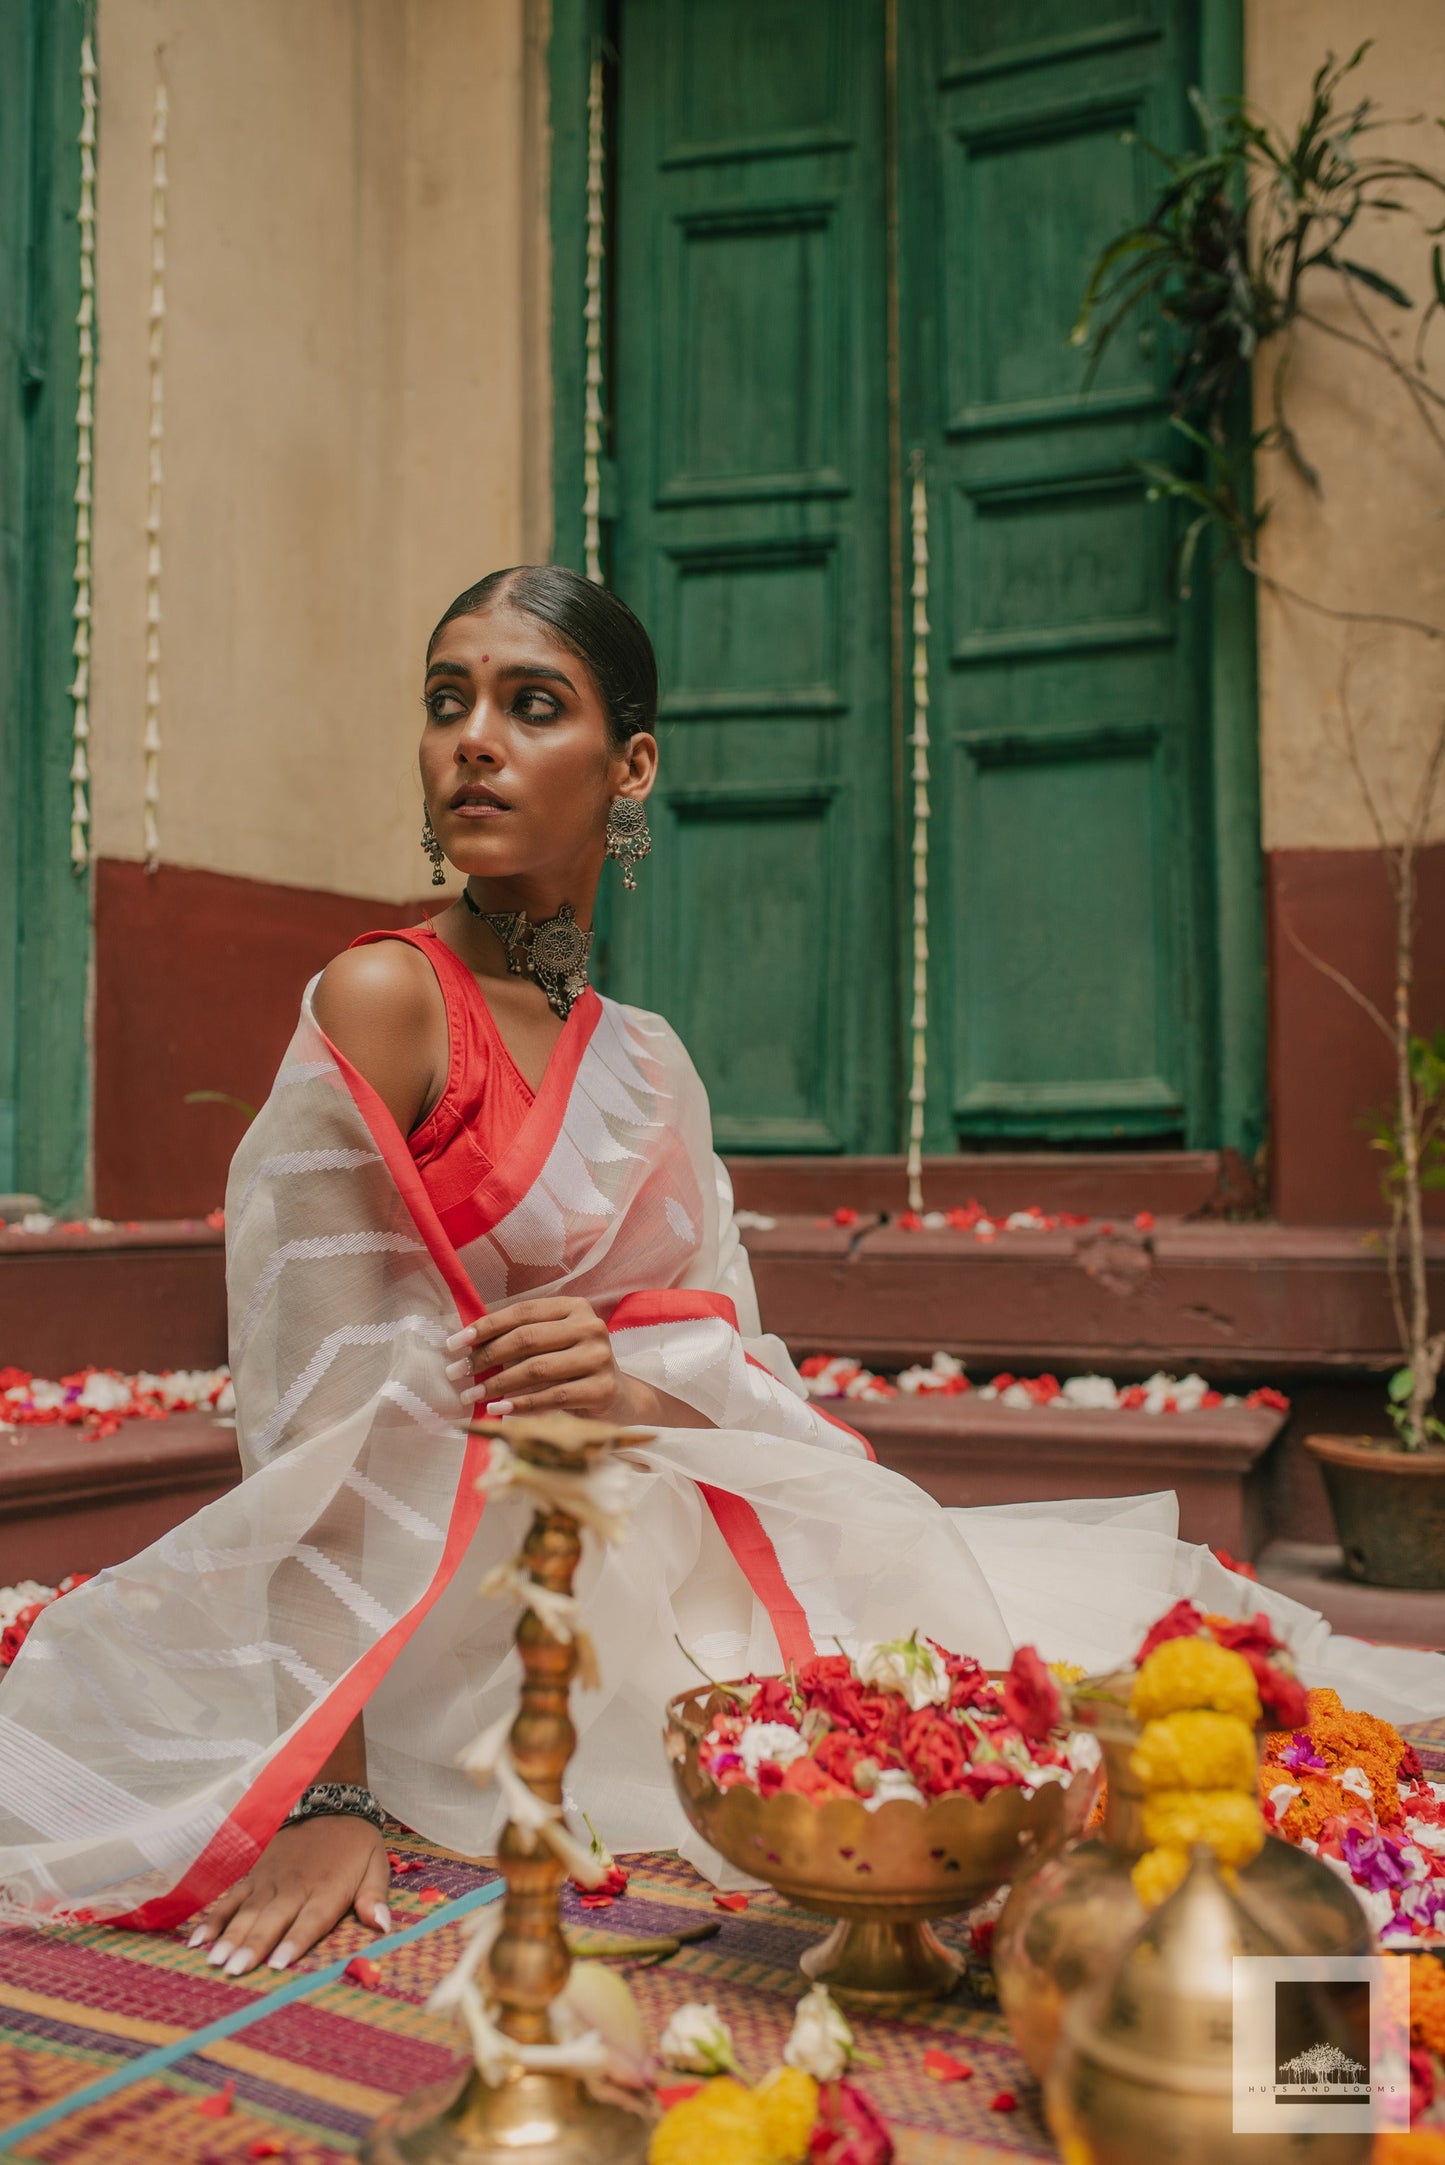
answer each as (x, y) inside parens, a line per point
(486, 1098)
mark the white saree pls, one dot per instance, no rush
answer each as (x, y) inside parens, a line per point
(161, 1720)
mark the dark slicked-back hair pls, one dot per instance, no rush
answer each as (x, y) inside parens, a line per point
(600, 630)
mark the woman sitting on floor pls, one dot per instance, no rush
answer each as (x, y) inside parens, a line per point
(472, 1165)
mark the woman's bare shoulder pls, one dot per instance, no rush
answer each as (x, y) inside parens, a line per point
(382, 1007)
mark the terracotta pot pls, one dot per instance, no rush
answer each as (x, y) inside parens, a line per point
(1389, 1508)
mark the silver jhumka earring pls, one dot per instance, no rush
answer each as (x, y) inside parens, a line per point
(433, 849)
(629, 838)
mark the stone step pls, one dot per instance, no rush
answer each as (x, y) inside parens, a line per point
(1314, 1573)
(70, 1503)
(1171, 1183)
(970, 1450)
(141, 1296)
(1250, 1300)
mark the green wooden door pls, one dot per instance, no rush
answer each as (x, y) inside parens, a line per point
(751, 450)
(43, 907)
(1071, 962)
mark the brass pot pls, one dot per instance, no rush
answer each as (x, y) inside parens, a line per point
(1065, 1918)
(1144, 2068)
(883, 1874)
(1389, 1508)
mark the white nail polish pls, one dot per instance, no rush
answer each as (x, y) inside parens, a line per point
(500, 1408)
(469, 1398)
(239, 1963)
(382, 1916)
(199, 1937)
(458, 1371)
(284, 1956)
(219, 1953)
(458, 1339)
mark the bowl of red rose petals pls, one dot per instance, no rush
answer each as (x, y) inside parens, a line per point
(883, 1789)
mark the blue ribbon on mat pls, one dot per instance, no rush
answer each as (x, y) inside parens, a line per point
(241, 2018)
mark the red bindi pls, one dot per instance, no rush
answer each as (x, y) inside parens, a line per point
(486, 657)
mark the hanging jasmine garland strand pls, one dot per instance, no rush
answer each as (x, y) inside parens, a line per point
(84, 450)
(918, 1087)
(152, 739)
(592, 316)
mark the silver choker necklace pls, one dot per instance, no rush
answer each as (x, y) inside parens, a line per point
(553, 952)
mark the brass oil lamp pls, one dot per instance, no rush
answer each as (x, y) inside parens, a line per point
(534, 2116)
(1065, 1919)
(1144, 2070)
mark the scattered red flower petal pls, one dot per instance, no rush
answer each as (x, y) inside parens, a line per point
(598, 1900)
(362, 1972)
(1143, 1221)
(843, 1215)
(730, 1901)
(1004, 2102)
(218, 2105)
(428, 1894)
(943, 2067)
(910, 1222)
(669, 2094)
(268, 2146)
(1232, 1563)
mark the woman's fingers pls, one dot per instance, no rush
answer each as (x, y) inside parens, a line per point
(218, 1914)
(575, 1364)
(490, 1326)
(259, 1931)
(518, 1344)
(370, 1904)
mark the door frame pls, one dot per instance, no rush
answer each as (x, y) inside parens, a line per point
(45, 906)
(1233, 836)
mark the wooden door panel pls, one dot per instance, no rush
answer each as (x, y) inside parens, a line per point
(1067, 692)
(1048, 1028)
(752, 539)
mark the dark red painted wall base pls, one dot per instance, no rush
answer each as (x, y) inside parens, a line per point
(1329, 1065)
(198, 979)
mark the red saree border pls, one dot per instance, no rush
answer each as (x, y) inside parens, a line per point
(261, 1810)
(509, 1180)
(757, 1559)
(672, 1304)
(265, 1804)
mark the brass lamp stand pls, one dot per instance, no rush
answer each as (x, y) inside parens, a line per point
(533, 2117)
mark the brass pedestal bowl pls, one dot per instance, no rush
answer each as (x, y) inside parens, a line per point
(882, 1874)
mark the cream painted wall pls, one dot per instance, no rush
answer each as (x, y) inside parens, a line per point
(1375, 538)
(356, 407)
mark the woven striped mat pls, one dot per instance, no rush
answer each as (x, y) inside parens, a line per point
(128, 2047)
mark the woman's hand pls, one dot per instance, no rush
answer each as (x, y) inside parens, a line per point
(544, 1355)
(304, 1881)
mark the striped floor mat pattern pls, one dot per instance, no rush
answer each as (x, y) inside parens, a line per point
(128, 2048)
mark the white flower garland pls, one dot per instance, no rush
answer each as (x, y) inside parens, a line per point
(918, 1087)
(592, 317)
(79, 691)
(152, 738)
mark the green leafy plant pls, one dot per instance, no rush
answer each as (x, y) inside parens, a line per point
(221, 1097)
(1251, 235)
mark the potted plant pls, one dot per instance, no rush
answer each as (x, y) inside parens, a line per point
(1250, 237)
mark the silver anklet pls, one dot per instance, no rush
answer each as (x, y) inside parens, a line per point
(336, 1800)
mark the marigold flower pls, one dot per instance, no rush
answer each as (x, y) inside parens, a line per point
(1157, 1873)
(1423, 2146)
(1427, 2003)
(1228, 1822)
(788, 2099)
(1196, 1749)
(1183, 1674)
(721, 2124)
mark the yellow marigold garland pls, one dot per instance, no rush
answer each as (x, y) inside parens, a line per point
(788, 2100)
(1185, 1674)
(1427, 2004)
(1196, 1759)
(721, 2124)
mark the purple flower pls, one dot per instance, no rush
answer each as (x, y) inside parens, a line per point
(1424, 1904)
(1301, 1756)
(1374, 1861)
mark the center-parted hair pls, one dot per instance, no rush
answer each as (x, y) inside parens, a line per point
(600, 630)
